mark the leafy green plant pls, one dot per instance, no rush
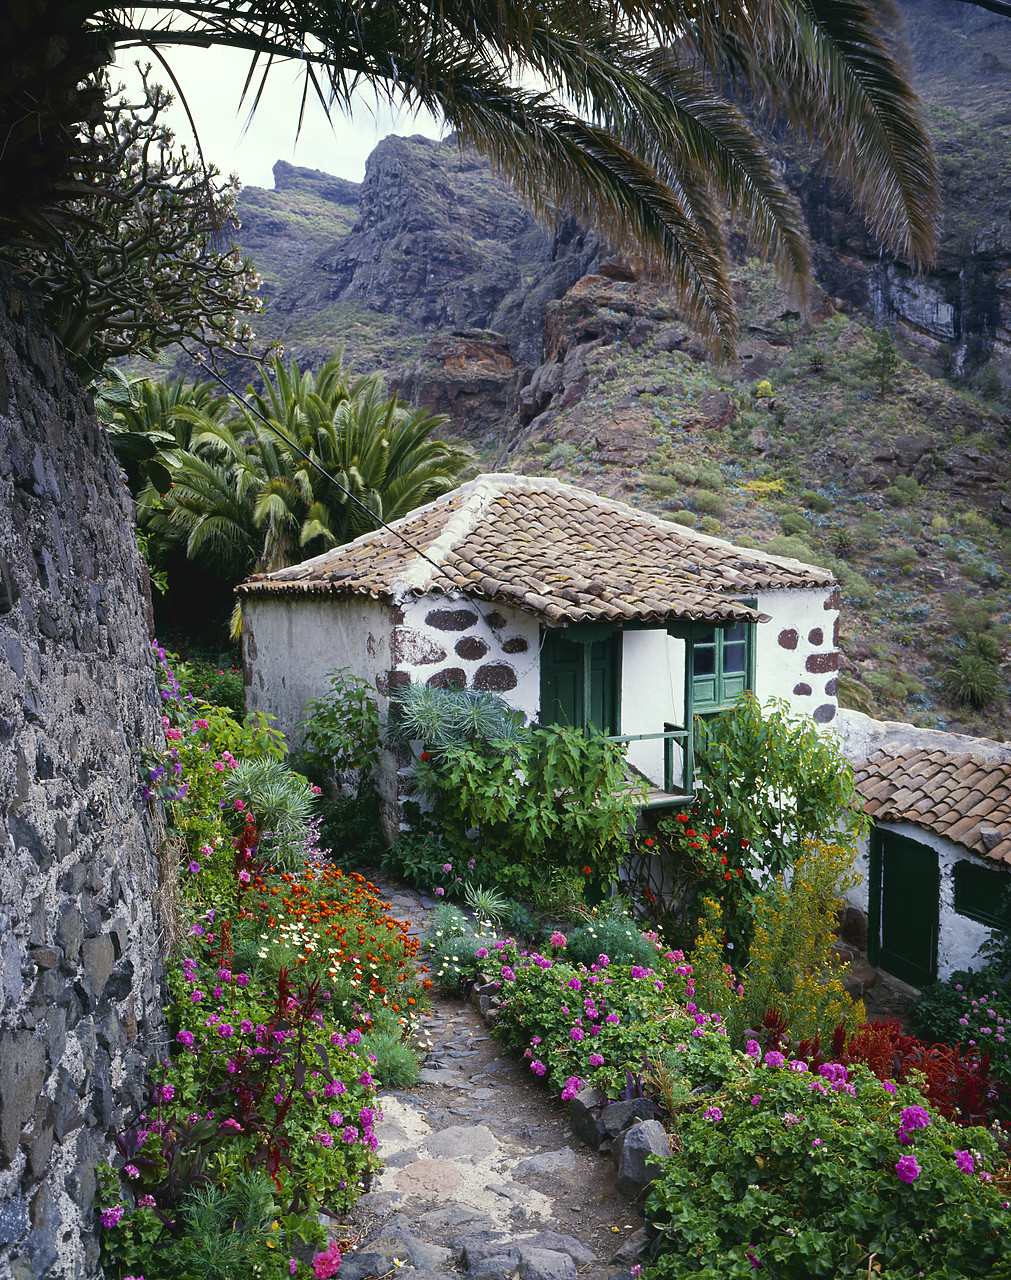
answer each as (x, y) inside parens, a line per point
(832, 1175)
(340, 737)
(773, 781)
(904, 492)
(559, 798)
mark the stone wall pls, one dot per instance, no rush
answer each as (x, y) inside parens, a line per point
(79, 954)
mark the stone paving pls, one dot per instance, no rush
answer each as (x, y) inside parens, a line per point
(482, 1174)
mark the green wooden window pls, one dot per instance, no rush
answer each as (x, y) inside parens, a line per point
(983, 895)
(723, 665)
(563, 678)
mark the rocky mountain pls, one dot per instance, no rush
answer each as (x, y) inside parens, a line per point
(549, 354)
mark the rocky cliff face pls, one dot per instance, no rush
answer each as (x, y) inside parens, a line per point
(960, 310)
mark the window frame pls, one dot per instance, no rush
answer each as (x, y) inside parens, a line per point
(713, 706)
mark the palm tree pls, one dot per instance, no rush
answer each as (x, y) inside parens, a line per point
(248, 496)
(619, 112)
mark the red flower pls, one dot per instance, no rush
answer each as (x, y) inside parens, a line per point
(424, 755)
(744, 844)
(649, 842)
(740, 872)
(586, 871)
(724, 861)
(689, 832)
(727, 876)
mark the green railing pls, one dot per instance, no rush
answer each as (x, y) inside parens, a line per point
(672, 733)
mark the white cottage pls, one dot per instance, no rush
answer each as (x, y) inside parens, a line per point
(936, 870)
(574, 608)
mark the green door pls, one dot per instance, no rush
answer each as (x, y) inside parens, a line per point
(562, 678)
(906, 884)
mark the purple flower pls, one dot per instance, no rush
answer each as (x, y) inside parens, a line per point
(613, 1019)
(325, 1139)
(756, 1099)
(195, 868)
(638, 971)
(196, 996)
(572, 1087)
(132, 1171)
(538, 1067)
(349, 1133)
(596, 1059)
(168, 1092)
(226, 1029)
(965, 1161)
(774, 1059)
(507, 974)
(557, 939)
(145, 1202)
(440, 891)
(577, 1034)
(888, 1086)
(111, 1217)
(574, 984)
(914, 1118)
(185, 1037)
(753, 1049)
(712, 1113)
(907, 1168)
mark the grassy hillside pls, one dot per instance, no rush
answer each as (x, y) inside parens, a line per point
(900, 495)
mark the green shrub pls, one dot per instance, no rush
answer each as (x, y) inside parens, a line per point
(705, 502)
(762, 390)
(618, 939)
(520, 921)
(794, 1177)
(682, 517)
(709, 477)
(710, 525)
(396, 1065)
(794, 524)
(936, 1015)
(339, 751)
(455, 959)
(815, 501)
(664, 486)
(905, 492)
(900, 558)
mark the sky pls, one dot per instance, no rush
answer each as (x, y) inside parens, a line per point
(212, 80)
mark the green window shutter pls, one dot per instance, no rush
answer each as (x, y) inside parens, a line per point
(983, 895)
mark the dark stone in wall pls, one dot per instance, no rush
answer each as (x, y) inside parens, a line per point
(415, 649)
(831, 687)
(816, 636)
(496, 677)
(802, 690)
(495, 620)
(788, 639)
(471, 648)
(78, 865)
(824, 714)
(515, 644)
(820, 663)
(451, 619)
(834, 601)
(448, 678)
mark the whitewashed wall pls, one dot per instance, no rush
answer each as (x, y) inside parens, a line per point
(959, 937)
(290, 646)
(797, 653)
(462, 643)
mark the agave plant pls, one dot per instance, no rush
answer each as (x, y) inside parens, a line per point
(273, 793)
(455, 717)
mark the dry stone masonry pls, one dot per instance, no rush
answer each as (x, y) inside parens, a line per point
(78, 868)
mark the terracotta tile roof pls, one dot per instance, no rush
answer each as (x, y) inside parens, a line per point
(965, 798)
(552, 549)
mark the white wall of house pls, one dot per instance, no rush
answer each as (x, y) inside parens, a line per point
(447, 640)
(290, 646)
(959, 937)
(797, 652)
